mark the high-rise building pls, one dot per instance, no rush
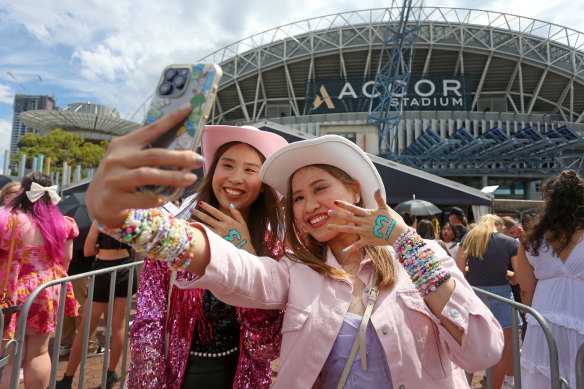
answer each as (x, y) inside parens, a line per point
(24, 103)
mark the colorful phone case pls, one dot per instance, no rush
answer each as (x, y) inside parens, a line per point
(179, 84)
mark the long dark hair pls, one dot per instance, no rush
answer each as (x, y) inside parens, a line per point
(426, 230)
(563, 213)
(43, 213)
(311, 252)
(265, 214)
(454, 231)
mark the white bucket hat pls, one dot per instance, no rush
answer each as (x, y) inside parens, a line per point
(333, 150)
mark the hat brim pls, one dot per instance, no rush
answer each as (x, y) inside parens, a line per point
(331, 150)
(216, 136)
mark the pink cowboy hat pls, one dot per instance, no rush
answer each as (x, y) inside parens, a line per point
(216, 136)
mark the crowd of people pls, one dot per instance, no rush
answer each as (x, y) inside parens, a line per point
(290, 251)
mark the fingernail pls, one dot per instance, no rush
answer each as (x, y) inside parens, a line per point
(232, 206)
(344, 251)
(190, 177)
(331, 212)
(185, 106)
(378, 191)
(200, 203)
(191, 209)
(336, 202)
(199, 159)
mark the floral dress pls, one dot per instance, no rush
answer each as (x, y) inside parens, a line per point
(34, 267)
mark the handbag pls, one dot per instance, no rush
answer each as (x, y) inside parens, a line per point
(6, 306)
(359, 342)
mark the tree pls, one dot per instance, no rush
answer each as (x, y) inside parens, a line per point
(61, 146)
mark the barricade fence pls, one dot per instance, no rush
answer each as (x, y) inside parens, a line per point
(12, 351)
(557, 382)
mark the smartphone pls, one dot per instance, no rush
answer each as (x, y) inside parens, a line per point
(195, 84)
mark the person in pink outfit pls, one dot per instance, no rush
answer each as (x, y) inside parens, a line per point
(352, 273)
(182, 342)
(42, 250)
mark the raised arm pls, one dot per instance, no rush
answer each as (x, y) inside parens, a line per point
(90, 247)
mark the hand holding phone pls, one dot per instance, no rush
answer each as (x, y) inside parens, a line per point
(195, 84)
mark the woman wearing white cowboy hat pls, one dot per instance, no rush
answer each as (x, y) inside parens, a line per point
(217, 352)
(407, 310)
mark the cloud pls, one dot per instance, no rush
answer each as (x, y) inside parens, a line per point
(5, 134)
(6, 94)
(112, 52)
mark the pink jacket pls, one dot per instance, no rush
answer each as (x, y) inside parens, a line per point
(160, 350)
(420, 351)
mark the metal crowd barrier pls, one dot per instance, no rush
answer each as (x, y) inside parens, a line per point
(580, 368)
(557, 382)
(15, 347)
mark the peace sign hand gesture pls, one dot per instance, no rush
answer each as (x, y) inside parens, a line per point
(232, 229)
(377, 227)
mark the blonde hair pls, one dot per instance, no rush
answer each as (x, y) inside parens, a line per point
(476, 241)
(9, 187)
(312, 253)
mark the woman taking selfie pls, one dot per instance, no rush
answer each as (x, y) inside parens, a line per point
(228, 347)
(367, 303)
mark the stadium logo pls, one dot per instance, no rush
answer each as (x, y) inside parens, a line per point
(424, 92)
(318, 100)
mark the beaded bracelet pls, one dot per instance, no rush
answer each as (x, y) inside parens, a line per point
(159, 235)
(419, 261)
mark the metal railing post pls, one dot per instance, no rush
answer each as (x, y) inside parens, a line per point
(557, 382)
(15, 347)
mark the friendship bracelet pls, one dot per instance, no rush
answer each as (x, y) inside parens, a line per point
(159, 235)
(419, 261)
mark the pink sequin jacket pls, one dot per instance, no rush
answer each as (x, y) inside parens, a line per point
(159, 354)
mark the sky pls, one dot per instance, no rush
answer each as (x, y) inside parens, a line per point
(111, 52)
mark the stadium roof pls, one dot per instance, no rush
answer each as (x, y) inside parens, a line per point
(530, 66)
(90, 121)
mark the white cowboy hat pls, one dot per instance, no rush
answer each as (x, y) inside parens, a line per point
(333, 150)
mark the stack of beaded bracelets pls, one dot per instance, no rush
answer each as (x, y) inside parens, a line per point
(420, 262)
(158, 235)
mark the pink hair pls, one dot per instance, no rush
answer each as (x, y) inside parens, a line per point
(52, 224)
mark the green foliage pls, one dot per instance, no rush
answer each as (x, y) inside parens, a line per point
(60, 146)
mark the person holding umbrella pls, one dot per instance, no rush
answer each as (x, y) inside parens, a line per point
(418, 207)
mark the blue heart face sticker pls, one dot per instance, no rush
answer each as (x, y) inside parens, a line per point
(379, 225)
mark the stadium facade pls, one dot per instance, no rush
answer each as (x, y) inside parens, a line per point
(493, 98)
(92, 122)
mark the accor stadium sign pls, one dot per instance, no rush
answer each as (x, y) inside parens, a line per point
(431, 92)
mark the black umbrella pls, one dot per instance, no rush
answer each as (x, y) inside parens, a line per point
(418, 207)
(4, 180)
(75, 207)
